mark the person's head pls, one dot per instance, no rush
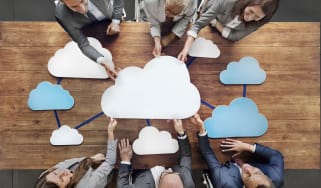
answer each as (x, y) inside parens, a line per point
(170, 179)
(254, 178)
(63, 178)
(80, 6)
(174, 7)
(255, 11)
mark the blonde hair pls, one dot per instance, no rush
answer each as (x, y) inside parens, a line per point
(179, 5)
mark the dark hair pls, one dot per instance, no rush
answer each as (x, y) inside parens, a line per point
(80, 171)
(269, 7)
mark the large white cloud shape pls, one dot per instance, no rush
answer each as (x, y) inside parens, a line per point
(204, 48)
(162, 90)
(152, 141)
(66, 136)
(71, 62)
(247, 71)
(240, 119)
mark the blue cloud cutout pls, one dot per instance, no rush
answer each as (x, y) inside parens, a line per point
(240, 119)
(50, 97)
(247, 71)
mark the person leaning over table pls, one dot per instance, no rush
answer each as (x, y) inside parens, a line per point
(234, 19)
(178, 176)
(168, 20)
(73, 15)
(264, 169)
(83, 172)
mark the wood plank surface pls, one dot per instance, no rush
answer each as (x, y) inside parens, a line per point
(289, 98)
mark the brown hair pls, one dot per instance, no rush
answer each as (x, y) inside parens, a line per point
(269, 7)
(80, 171)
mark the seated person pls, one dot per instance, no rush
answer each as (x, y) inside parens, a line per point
(83, 172)
(264, 168)
(178, 176)
(234, 19)
(73, 15)
(168, 19)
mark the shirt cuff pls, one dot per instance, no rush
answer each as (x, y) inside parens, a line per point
(115, 21)
(205, 133)
(254, 147)
(182, 137)
(226, 32)
(107, 61)
(192, 34)
(125, 162)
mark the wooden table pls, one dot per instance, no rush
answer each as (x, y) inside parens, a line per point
(289, 98)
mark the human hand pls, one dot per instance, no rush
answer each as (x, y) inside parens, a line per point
(182, 56)
(113, 29)
(112, 74)
(112, 125)
(178, 126)
(198, 122)
(157, 51)
(98, 157)
(236, 146)
(125, 150)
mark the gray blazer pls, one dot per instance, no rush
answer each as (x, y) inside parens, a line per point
(221, 10)
(72, 22)
(94, 178)
(144, 178)
(155, 12)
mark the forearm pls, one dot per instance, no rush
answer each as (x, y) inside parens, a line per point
(118, 9)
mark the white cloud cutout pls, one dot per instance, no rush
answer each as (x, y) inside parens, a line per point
(162, 90)
(66, 136)
(152, 141)
(71, 62)
(204, 48)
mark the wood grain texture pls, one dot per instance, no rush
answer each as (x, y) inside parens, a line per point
(289, 98)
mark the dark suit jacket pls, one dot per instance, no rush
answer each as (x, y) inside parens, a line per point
(269, 161)
(144, 179)
(72, 22)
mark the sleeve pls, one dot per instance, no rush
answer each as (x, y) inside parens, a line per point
(123, 178)
(101, 173)
(118, 9)
(64, 18)
(185, 153)
(67, 163)
(207, 152)
(209, 15)
(274, 159)
(181, 26)
(149, 7)
(235, 35)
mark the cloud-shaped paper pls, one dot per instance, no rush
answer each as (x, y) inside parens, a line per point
(50, 97)
(162, 90)
(152, 141)
(66, 136)
(240, 119)
(71, 62)
(204, 48)
(247, 71)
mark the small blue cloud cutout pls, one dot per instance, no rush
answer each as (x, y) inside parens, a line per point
(246, 71)
(240, 119)
(48, 96)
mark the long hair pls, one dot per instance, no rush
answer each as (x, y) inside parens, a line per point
(269, 7)
(80, 171)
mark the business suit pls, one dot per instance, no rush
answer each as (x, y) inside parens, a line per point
(222, 10)
(144, 179)
(269, 161)
(155, 12)
(72, 22)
